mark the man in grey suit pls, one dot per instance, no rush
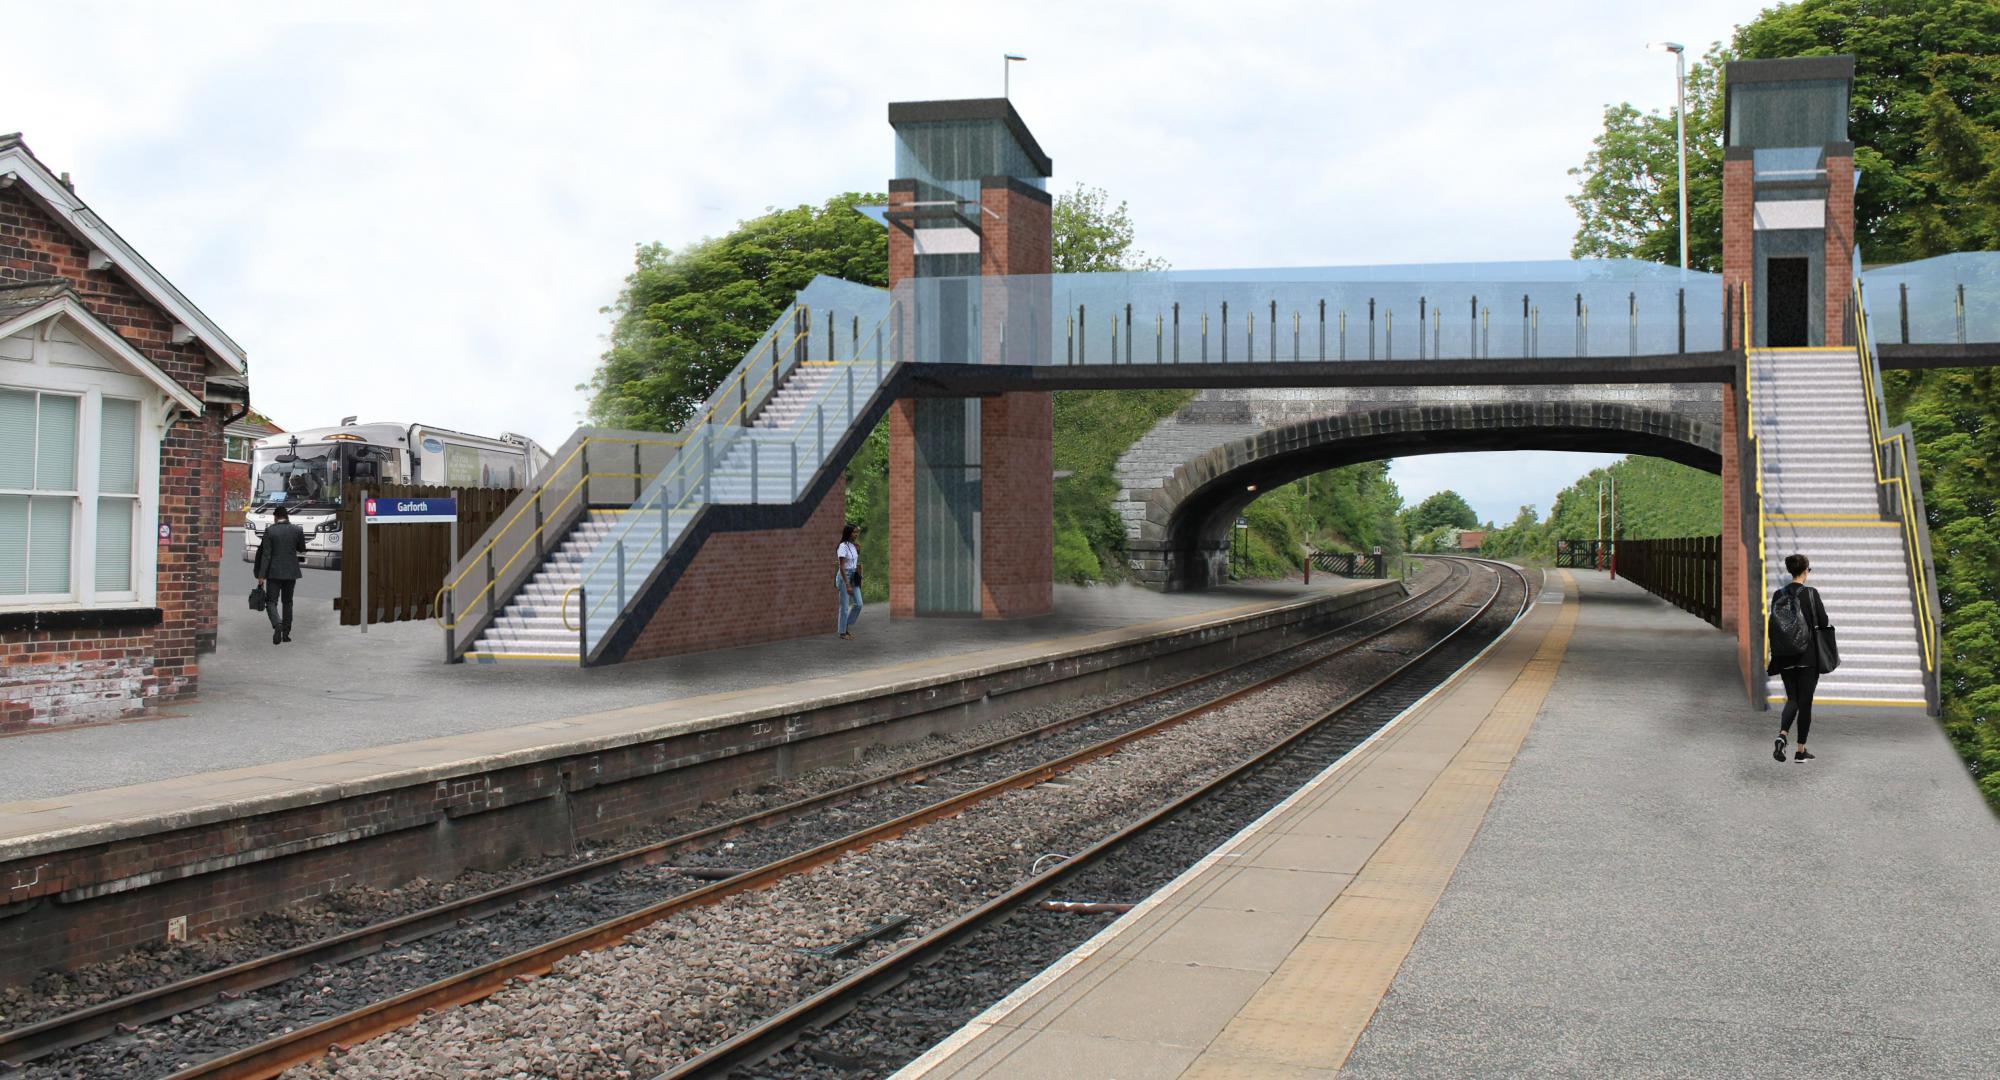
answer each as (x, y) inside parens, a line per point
(277, 568)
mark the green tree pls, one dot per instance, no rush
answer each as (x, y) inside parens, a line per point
(1447, 507)
(686, 318)
(1628, 198)
(1926, 112)
(1092, 235)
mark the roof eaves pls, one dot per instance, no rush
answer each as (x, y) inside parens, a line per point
(15, 157)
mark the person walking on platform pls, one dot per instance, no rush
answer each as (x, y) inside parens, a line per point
(847, 580)
(1802, 648)
(277, 569)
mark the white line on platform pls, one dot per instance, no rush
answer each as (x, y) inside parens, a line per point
(1000, 1010)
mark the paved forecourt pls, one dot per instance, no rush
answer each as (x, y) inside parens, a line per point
(1577, 859)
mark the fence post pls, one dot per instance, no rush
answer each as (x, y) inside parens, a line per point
(1681, 319)
(362, 518)
(1472, 330)
(1225, 331)
(1524, 326)
(1960, 311)
(1177, 331)
(1128, 334)
(1159, 338)
(1423, 316)
(1371, 328)
(1322, 329)
(1632, 304)
(1082, 332)
(1903, 308)
(1274, 331)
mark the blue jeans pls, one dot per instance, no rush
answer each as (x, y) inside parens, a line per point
(850, 604)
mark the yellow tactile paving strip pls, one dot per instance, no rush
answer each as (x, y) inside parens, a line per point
(1320, 999)
(1270, 959)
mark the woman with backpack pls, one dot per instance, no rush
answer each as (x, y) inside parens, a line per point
(1802, 648)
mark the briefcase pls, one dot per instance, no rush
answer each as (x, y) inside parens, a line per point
(257, 598)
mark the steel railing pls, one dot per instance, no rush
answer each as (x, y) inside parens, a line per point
(1905, 500)
(688, 483)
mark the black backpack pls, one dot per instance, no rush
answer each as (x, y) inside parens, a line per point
(1790, 631)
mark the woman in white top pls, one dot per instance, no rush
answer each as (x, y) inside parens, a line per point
(847, 580)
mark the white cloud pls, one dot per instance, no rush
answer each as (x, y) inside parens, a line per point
(416, 211)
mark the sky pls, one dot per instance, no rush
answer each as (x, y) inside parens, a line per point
(417, 212)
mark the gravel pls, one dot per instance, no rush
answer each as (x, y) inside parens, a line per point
(683, 984)
(168, 1046)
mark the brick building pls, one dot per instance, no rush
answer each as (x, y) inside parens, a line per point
(237, 441)
(115, 391)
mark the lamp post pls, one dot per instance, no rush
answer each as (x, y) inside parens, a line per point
(1680, 132)
(1007, 63)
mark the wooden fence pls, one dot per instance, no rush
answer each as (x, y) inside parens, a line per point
(407, 563)
(1684, 571)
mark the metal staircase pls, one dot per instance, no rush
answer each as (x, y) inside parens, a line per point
(630, 507)
(531, 626)
(1821, 486)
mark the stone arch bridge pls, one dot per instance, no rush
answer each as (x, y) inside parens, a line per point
(1183, 484)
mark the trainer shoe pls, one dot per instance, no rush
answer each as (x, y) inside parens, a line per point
(1778, 751)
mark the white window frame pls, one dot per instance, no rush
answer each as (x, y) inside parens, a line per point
(248, 441)
(93, 385)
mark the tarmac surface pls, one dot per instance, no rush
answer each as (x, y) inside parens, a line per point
(1652, 895)
(333, 688)
(1584, 864)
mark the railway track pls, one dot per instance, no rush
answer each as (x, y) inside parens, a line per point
(225, 986)
(1340, 727)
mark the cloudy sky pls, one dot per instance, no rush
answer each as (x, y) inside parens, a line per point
(417, 211)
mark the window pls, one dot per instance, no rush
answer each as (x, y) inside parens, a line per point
(236, 448)
(38, 492)
(71, 509)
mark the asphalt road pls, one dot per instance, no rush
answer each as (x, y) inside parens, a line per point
(236, 579)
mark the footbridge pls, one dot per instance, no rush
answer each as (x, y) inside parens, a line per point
(714, 536)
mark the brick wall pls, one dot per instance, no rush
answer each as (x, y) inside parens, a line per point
(1737, 239)
(75, 676)
(1017, 529)
(744, 588)
(1839, 248)
(34, 246)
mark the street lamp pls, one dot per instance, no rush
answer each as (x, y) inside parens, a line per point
(1007, 63)
(1681, 132)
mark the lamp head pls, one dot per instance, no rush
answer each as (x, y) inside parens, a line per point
(1015, 56)
(1674, 47)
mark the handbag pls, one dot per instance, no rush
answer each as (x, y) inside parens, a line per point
(256, 598)
(1829, 650)
(854, 577)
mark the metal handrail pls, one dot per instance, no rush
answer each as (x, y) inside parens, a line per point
(437, 599)
(676, 439)
(588, 572)
(1926, 618)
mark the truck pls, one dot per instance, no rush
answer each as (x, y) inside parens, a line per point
(306, 471)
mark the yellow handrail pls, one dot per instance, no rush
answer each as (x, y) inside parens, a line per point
(1906, 502)
(677, 439)
(542, 489)
(686, 495)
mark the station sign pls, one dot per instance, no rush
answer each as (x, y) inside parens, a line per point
(387, 511)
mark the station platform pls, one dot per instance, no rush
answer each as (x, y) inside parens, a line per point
(317, 777)
(1578, 858)
(335, 690)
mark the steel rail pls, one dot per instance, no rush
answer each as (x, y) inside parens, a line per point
(756, 1043)
(21, 1045)
(275, 1055)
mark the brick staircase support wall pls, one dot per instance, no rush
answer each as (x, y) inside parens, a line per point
(746, 588)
